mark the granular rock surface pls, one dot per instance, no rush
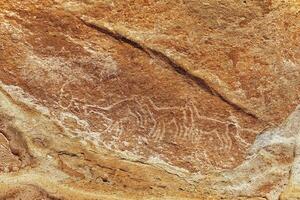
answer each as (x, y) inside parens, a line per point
(144, 99)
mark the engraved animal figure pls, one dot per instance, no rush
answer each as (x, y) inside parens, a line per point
(141, 115)
(162, 122)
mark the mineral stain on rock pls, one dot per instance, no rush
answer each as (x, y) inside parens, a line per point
(149, 99)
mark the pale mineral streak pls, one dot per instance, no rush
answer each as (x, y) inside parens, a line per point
(147, 99)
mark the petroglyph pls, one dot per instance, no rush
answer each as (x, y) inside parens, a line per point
(140, 117)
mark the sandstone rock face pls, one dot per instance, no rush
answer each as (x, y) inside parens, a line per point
(149, 99)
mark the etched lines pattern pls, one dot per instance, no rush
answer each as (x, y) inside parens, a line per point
(140, 117)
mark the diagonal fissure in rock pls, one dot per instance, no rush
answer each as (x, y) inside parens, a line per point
(161, 56)
(115, 35)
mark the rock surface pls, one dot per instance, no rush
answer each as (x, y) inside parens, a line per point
(149, 99)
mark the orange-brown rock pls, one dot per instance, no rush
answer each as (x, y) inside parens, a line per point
(149, 99)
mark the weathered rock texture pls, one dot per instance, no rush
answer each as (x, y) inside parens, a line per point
(144, 99)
